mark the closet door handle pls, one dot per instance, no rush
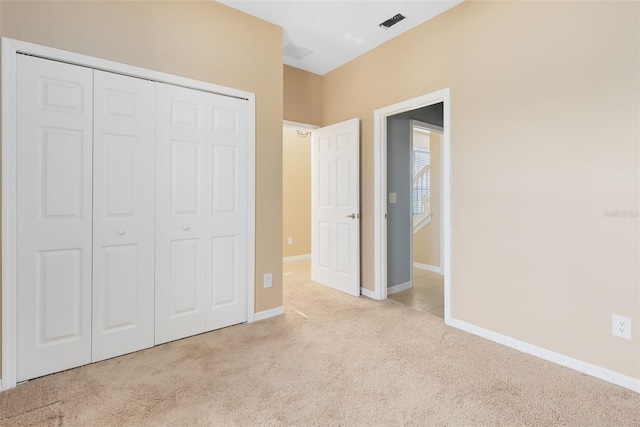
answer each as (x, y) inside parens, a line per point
(186, 227)
(122, 232)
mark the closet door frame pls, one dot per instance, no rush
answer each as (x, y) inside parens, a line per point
(10, 49)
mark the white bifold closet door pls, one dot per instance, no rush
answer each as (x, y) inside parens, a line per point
(132, 201)
(201, 212)
(123, 214)
(86, 210)
(54, 216)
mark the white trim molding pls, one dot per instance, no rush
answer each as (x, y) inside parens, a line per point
(399, 288)
(380, 191)
(296, 258)
(427, 267)
(560, 359)
(368, 293)
(9, 218)
(266, 314)
(251, 219)
(298, 125)
(10, 49)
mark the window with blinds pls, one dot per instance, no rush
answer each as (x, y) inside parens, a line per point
(421, 182)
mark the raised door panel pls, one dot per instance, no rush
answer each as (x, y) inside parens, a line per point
(124, 213)
(184, 279)
(54, 215)
(180, 213)
(325, 248)
(186, 177)
(59, 296)
(61, 180)
(227, 217)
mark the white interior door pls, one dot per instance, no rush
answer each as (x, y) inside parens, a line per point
(180, 212)
(335, 206)
(124, 215)
(227, 209)
(54, 216)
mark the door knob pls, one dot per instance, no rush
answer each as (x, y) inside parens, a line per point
(122, 232)
(186, 228)
(352, 216)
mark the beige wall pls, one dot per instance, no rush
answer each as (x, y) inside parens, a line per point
(201, 40)
(296, 193)
(534, 255)
(426, 242)
(302, 96)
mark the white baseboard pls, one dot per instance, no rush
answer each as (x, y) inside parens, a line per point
(296, 258)
(369, 294)
(1, 389)
(262, 315)
(399, 288)
(569, 362)
(427, 267)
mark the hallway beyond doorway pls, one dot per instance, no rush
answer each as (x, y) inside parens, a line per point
(427, 293)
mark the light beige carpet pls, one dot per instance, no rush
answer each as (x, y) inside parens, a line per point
(330, 360)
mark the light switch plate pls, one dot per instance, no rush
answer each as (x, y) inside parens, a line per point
(268, 280)
(393, 198)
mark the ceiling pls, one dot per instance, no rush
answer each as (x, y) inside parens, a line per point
(337, 31)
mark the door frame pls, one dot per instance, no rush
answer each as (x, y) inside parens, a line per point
(380, 191)
(10, 49)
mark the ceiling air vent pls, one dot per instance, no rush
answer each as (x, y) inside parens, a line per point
(293, 51)
(391, 21)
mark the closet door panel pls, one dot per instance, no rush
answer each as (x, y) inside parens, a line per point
(227, 192)
(54, 215)
(180, 213)
(124, 214)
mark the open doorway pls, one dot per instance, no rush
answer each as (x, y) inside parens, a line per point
(384, 210)
(296, 202)
(296, 192)
(420, 214)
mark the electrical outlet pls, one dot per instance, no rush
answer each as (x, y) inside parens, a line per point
(289, 241)
(621, 327)
(268, 280)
